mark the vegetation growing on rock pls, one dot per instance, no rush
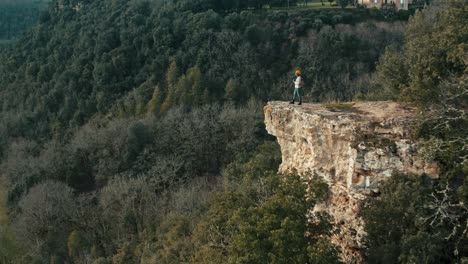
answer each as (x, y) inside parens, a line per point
(429, 219)
(131, 131)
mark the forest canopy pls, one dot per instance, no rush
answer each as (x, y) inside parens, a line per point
(16, 16)
(134, 57)
(134, 129)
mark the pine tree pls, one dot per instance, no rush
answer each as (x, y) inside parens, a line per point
(232, 90)
(153, 106)
(194, 75)
(171, 79)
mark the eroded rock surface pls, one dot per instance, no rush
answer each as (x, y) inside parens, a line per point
(353, 147)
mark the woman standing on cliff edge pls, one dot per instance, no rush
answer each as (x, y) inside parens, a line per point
(298, 83)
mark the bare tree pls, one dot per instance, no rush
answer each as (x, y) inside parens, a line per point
(445, 211)
(46, 218)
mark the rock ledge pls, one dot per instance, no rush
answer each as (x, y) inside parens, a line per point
(353, 147)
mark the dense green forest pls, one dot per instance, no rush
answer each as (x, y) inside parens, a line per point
(132, 131)
(18, 16)
(132, 61)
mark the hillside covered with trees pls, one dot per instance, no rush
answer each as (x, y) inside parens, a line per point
(18, 16)
(131, 58)
(427, 221)
(132, 131)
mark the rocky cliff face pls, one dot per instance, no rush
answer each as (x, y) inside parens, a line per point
(353, 147)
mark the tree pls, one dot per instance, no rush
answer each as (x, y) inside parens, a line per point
(213, 233)
(343, 3)
(80, 175)
(10, 249)
(233, 91)
(398, 228)
(153, 106)
(47, 217)
(128, 206)
(74, 84)
(172, 76)
(392, 75)
(76, 244)
(436, 82)
(443, 28)
(198, 86)
(137, 138)
(275, 229)
(173, 242)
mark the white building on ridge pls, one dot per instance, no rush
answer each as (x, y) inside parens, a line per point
(399, 4)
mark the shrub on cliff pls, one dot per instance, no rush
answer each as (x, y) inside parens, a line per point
(428, 223)
(396, 217)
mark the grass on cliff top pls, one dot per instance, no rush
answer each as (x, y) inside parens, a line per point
(342, 107)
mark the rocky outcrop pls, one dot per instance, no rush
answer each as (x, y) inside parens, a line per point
(353, 147)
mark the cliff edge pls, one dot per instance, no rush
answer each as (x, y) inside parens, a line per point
(351, 146)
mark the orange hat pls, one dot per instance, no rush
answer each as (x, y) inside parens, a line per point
(298, 72)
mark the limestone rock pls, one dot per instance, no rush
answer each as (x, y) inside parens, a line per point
(353, 147)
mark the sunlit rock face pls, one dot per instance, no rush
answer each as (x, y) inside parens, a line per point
(353, 147)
